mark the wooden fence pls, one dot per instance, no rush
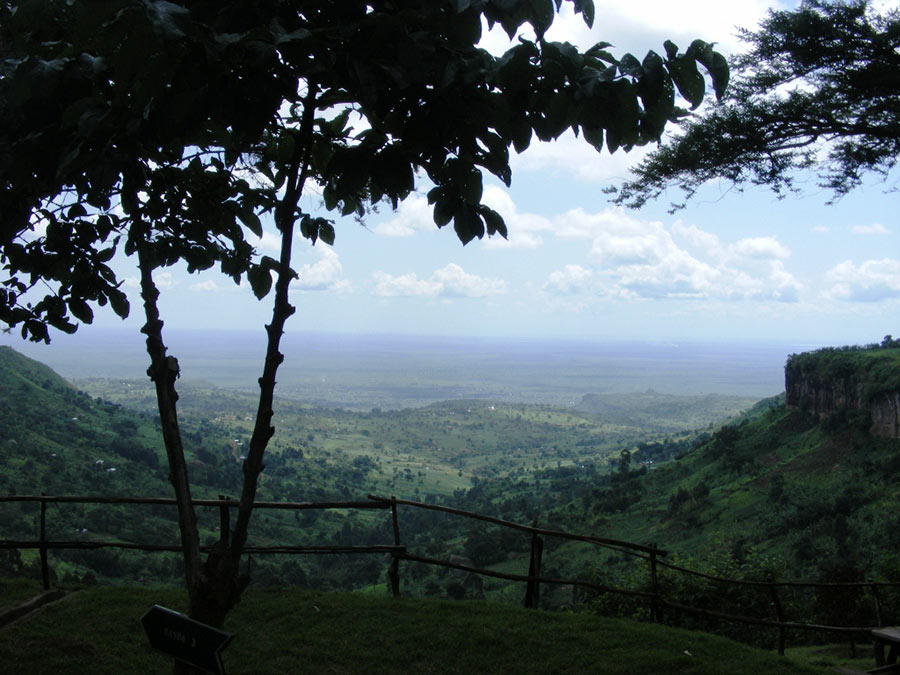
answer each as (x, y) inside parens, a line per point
(533, 580)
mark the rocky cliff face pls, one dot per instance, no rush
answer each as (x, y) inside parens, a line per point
(823, 398)
(886, 416)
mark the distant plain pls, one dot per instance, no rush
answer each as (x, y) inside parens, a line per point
(365, 371)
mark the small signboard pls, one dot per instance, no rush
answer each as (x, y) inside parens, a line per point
(187, 640)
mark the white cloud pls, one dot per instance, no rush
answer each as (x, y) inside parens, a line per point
(872, 281)
(413, 215)
(635, 258)
(455, 282)
(759, 248)
(450, 281)
(523, 228)
(678, 275)
(706, 242)
(404, 285)
(323, 275)
(270, 242)
(579, 224)
(874, 228)
(570, 279)
(164, 280)
(205, 286)
(820, 229)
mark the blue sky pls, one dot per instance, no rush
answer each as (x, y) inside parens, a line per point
(731, 266)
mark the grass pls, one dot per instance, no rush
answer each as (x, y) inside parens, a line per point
(292, 631)
(16, 591)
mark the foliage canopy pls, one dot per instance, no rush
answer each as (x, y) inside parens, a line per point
(195, 110)
(819, 88)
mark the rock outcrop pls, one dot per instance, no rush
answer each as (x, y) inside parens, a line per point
(824, 394)
(886, 416)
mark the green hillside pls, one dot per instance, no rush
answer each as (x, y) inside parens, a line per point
(809, 497)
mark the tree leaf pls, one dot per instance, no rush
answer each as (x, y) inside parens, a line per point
(468, 224)
(493, 221)
(671, 49)
(326, 233)
(444, 210)
(629, 65)
(76, 211)
(260, 280)
(474, 187)
(594, 136)
(541, 16)
(586, 7)
(80, 310)
(250, 219)
(688, 79)
(119, 302)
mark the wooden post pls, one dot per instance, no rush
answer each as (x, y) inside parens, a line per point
(394, 569)
(45, 567)
(779, 612)
(224, 521)
(876, 603)
(655, 608)
(533, 588)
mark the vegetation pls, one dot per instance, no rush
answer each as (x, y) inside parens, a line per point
(825, 72)
(876, 367)
(497, 457)
(127, 130)
(97, 631)
(773, 494)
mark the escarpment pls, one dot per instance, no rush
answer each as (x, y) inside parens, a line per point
(864, 379)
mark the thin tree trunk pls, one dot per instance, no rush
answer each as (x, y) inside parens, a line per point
(163, 371)
(281, 311)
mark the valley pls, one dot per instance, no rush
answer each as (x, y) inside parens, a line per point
(730, 486)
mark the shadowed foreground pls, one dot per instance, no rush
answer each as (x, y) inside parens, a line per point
(292, 631)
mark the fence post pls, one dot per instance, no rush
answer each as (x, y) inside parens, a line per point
(45, 567)
(224, 521)
(533, 589)
(655, 608)
(779, 612)
(394, 569)
(873, 588)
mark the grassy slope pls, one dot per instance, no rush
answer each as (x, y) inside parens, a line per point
(98, 631)
(808, 495)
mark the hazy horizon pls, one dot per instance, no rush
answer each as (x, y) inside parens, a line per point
(357, 370)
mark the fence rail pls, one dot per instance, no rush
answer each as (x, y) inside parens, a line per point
(398, 552)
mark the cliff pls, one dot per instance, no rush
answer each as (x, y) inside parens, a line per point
(848, 379)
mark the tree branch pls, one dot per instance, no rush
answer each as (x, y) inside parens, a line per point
(281, 311)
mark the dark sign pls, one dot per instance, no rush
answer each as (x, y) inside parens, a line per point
(187, 640)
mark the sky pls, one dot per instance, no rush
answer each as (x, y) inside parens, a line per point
(731, 266)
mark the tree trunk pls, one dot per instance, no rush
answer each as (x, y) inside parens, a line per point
(281, 311)
(163, 371)
(216, 585)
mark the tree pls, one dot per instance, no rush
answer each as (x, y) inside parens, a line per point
(818, 89)
(166, 132)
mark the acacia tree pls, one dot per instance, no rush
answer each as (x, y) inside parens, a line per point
(818, 89)
(165, 131)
